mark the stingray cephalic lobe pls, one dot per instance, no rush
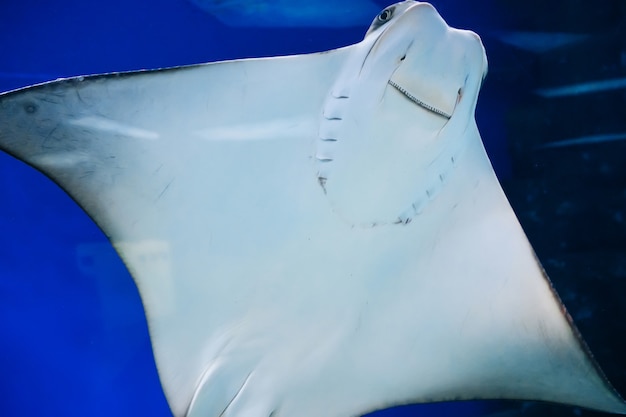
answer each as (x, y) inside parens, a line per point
(314, 235)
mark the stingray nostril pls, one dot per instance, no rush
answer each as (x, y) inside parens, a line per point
(403, 57)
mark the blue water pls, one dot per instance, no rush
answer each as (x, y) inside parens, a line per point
(73, 338)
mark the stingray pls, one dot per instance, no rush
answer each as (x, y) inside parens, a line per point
(314, 235)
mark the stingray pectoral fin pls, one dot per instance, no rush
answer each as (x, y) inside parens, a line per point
(518, 342)
(180, 168)
(119, 143)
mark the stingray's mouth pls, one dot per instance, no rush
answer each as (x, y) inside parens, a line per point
(419, 102)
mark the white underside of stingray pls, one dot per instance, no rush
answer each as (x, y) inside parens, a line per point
(314, 235)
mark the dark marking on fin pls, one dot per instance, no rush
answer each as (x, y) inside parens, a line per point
(322, 182)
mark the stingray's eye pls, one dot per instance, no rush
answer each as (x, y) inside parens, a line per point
(382, 19)
(385, 15)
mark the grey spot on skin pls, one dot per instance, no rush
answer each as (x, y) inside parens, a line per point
(30, 107)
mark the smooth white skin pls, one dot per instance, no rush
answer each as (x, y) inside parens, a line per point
(268, 292)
